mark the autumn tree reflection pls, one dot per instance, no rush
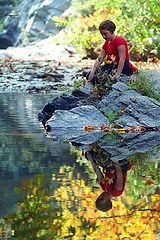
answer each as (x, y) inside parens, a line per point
(65, 207)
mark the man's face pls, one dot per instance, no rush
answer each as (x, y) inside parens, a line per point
(107, 35)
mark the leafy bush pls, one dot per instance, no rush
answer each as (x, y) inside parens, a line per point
(33, 216)
(142, 84)
(137, 21)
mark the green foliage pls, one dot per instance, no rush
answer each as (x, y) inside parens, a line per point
(111, 116)
(111, 137)
(81, 27)
(1, 25)
(137, 21)
(143, 85)
(143, 180)
(33, 217)
(78, 83)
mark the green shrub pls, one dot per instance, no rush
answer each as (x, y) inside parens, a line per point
(78, 83)
(137, 21)
(111, 115)
(142, 84)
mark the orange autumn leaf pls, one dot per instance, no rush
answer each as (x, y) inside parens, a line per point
(149, 182)
(137, 129)
(89, 127)
(105, 128)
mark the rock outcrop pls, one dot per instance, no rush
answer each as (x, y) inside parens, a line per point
(132, 112)
(69, 125)
(131, 107)
(125, 145)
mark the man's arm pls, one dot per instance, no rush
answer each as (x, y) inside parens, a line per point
(119, 179)
(96, 169)
(122, 56)
(97, 64)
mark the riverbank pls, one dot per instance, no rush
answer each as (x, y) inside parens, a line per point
(45, 67)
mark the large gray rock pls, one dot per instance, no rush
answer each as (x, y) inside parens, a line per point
(69, 125)
(131, 107)
(40, 18)
(126, 145)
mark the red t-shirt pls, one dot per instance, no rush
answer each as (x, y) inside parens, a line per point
(110, 180)
(109, 185)
(111, 50)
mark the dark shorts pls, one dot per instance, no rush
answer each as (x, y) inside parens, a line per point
(102, 159)
(108, 69)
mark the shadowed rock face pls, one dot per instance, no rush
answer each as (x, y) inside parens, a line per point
(5, 41)
(65, 102)
(8, 37)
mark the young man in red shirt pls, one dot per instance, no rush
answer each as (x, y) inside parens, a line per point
(112, 180)
(114, 54)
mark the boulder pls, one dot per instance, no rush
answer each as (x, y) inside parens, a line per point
(65, 102)
(123, 146)
(131, 107)
(70, 125)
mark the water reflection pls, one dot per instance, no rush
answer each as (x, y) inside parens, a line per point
(64, 206)
(111, 175)
(24, 149)
(57, 185)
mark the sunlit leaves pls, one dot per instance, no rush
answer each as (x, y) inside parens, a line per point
(119, 223)
(33, 216)
(137, 21)
(68, 211)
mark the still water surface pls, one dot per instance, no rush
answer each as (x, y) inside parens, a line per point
(25, 152)
(24, 148)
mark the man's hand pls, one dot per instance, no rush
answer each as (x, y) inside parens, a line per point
(90, 77)
(115, 75)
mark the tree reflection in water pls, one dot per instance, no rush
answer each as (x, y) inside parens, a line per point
(66, 209)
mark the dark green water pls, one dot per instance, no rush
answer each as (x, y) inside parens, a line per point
(24, 148)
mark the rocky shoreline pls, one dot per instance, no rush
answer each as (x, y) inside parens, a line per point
(46, 68)
(38, 68)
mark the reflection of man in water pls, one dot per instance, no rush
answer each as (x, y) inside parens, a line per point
(112, 179)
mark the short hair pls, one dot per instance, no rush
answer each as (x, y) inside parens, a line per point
(103, 206)
(107, 25)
